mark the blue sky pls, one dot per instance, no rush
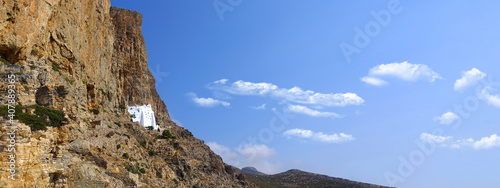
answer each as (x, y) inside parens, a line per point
(401, 93)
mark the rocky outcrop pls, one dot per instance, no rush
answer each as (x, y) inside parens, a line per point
(89, 60)
(129, 64)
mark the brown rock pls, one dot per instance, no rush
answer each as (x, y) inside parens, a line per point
(76, 56)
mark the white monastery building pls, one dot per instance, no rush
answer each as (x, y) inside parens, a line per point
(144, 115)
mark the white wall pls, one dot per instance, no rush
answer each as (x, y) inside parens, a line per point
(144, 115)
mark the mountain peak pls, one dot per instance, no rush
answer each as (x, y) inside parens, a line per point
(299, 178)
(252, 170)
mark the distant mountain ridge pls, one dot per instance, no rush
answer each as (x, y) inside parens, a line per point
(296, 178)
(252, 170)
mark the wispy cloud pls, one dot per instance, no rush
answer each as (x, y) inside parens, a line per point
(486, 95)
(261, 107)
(437, 139)
(226, 153)
(374, 81)
(175, 120)
(294, 94)
(447, 141)
(318, 136)
(405, 71)
(469, 78)
(158, 74)
(447, 118)
(299, 109)
(255, 155)
(207, 102)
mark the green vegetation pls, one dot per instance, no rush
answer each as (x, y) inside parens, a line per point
(95, 111)
(102, 91)
(142, 170)
(135, 169)
(152, 153)
(110, 127)
(122, 107)
(118, 146)
(131, 169)
(26, 88)
(125, 155)
(166, 135)
(54, 67)
(118, 124)
(176, 181)
(68, 80)
(4, 61)
(42, 117)
(143, 144)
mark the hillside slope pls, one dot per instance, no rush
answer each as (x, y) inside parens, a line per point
(88, 61)
(252, 170)
(296, 178)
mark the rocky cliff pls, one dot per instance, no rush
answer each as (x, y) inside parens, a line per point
(88, 61)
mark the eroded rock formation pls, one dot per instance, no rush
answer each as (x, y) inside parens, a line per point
(89, 60)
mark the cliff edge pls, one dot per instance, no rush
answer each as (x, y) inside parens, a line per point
(78, 65)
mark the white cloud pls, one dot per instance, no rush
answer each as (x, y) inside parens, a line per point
(261, 107)
(319, 136)
(299, 109)
(374, 81)
(294, 94)
(244, 88)
(222, 81)
(223, 151)
(447, 141)
(447, 118)
(469, 78)
(488, 97)
(405, 71)
(260, 151)
(207, 102)
(487, 142)
(441, 140)
(483, 143)
(255, 155)
(175, 120)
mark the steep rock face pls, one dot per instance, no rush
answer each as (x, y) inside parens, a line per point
(130, 66)
(89, 60)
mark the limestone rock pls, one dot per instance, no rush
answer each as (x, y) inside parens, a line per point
(80, 146)
(89, 60)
